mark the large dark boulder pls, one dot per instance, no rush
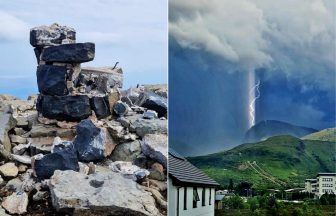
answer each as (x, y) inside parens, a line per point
(63, 157)
(68, 108)
(100, 106)
(92, 143)
(51, 80)
(154, 102)
(69, 53)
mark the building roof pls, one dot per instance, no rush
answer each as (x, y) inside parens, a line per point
(219, 197)
(183, 173)
(326, 174)
(311, 180)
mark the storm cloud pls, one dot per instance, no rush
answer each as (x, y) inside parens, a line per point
(290, 46)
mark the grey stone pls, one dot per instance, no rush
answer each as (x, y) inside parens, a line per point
(119, 133)
(16, 203)
(126, 168)
(7, 122)
(120, 108)
(69, 53)
(126, 151)
(19, 131)
(9, 170)
(104, 78)
(3, 212)
(20, 149)
(146, 126)
(155, 146)
(51, 131)
(17, 139)
(21, 158)
(51, 35)
(92, 143)
(150, 114)
(73, 192)
(40, 195)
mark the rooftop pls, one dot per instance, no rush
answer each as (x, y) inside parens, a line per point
(326, 174)
(183, 173)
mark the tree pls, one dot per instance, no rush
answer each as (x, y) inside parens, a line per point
(234, 202)
(253, 203)
(231, 185)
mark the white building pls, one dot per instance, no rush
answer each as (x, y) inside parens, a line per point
(190, 191)
(324, 183)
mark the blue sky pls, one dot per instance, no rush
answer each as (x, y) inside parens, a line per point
(133, 32)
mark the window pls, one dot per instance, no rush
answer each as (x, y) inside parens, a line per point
(209, 196)
(195, 197)
(203, 196)
(185, 199)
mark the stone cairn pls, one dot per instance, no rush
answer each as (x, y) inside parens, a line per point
(68, 92)
(83, 143)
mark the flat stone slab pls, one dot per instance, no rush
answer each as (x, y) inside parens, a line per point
(114, 76)
(52, 80)
(54, 34)
(64, 108)
(105, 193)
(69, 53)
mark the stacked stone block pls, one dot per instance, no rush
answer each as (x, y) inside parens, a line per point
(66, 92)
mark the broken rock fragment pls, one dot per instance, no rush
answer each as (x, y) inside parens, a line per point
(51, 35)
(69, 53)
(154, 102)
(100, 106)
(120, 108)
(63, 157)
(9, 170)
(106, 193)
(16, 203)
(126, 151)
(92, 143)
(7, 122)
(113, 76)
(155, 146)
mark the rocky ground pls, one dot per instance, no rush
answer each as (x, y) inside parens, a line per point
(82, 146)
(129, 178)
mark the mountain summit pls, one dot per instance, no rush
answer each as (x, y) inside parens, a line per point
(268, 128)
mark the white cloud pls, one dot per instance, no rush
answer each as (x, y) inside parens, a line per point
(11, 28)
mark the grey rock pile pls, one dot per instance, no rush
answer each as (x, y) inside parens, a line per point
(83, 145)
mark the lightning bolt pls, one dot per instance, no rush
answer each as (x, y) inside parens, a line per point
(255, 94)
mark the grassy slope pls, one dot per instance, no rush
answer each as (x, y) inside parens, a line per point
(328, 134)
(286, 158)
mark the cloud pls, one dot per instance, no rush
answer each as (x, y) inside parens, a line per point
(101, 37)
(293, 37)
(11, 28)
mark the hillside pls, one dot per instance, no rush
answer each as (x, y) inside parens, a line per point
(280, 161)
(265, 129)
(328, 134)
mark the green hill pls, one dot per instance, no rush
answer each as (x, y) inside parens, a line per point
(328, 134)
(280, 161)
